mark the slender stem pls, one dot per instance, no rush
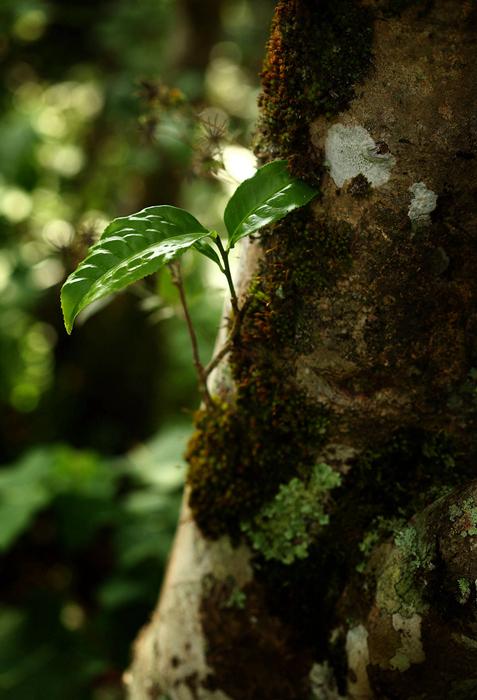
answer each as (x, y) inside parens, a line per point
(201, 372)
(217, 358)
(233, 333)
(225, 257)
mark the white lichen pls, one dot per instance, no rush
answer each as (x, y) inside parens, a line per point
(351, 151)
(423, 202)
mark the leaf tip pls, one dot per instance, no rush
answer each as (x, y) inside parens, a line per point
(68, 324)
(67, 320)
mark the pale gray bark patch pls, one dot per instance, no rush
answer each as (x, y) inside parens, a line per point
(358, 659)
(171, 656)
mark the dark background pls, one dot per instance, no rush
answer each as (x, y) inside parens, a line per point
(93, 426)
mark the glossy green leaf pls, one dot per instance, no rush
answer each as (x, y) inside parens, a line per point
(208, 251)
(266, 197)
(130, 248)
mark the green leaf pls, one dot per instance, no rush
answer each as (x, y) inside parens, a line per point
(266, 197)
(208, 251)
(130, 248)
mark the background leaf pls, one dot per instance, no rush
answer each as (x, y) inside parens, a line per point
(264, 198)
(42, 476)
(130, 248)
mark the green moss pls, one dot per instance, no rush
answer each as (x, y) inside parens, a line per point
(379, 530)
(465, 517)
(241, 453)
(416, 549)
(285, 527)
(382, 490)
(402, 585)
(385, 488)
(301, 256)
(464, 590)
(408, 472)
(317, 54)
(237, 599)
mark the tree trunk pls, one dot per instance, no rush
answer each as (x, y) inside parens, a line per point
(327, 544)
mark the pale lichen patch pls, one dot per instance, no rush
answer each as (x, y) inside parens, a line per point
(411, 650)
(351, 151)
(423, 202)
(357, 653)
(398, 590)
(322, 683)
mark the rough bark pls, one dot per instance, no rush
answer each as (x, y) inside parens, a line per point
(354, 579)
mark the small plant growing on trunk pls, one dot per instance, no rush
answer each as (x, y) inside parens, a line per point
(138, 245)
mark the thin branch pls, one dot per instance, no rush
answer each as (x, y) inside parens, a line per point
(227, 347)
(217, 358)
(237, 316)
(199, 367)
(225, 257)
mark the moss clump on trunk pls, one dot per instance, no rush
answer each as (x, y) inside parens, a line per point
(317, 53)
(241, 453)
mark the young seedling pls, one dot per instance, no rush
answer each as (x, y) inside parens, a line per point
(138, 245)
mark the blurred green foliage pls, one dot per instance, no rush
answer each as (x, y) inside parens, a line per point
(83, 541)
(92, 428)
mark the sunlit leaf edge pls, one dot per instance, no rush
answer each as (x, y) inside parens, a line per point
(187, 231)
(275, 178)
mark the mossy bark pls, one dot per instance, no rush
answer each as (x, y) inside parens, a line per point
(357, 351)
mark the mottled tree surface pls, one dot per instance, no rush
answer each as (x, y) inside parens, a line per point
(327, 549)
